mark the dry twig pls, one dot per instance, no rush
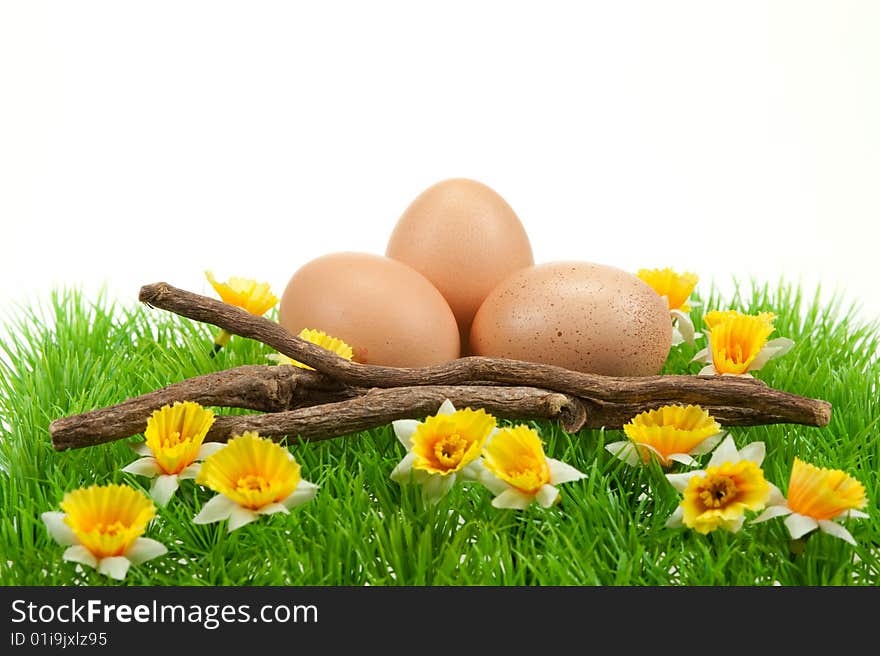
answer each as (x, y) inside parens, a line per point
(341, 397)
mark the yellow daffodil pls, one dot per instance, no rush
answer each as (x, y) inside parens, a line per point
(320, 338)
(441, 449)
(250, 295)
(671, 433)
(102, 527)
(676, 289)
(518, 472)
(738, 343)
(174, 445)
(252, 476)
(817, 499)
(719, 496)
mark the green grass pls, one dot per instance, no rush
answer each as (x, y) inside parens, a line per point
(75, 354)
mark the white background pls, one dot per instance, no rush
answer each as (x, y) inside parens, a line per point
(147, 141)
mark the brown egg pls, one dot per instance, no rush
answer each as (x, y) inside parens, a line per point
(463, 237)
(581, 316)
(386, 311)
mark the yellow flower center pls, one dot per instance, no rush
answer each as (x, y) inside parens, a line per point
(107, 519)
(323, 340)
(823, 493)
(443, 444)
(252, 471)
(516, 456)
(723, 494)
(674, 286)
(736, 339)
(255, 297)
(450, 450)
(670, 429)
(717, 492)
(175, 434)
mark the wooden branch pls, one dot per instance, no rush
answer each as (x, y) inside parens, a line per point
(720, 391)
(341, 397)
(257, 387)
(382, 406)
(373, 408)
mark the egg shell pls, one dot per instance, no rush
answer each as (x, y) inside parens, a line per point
(387, 312)
(464, 238)
(578, 315)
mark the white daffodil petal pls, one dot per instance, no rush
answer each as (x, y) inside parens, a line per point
(209, 448)
(492, 483)
(143, 467)
(471, 471)
(781, 345)
(191, 471)
(708, 370)
(675, 519)
(404, 429)
(754, 452)
(624, 450)
(772, 349)
(402, 473)
(685, 326)
(547, 495)
(140, 448)
(144, 549)
(57, 529)
(305, 491)
(216, 509)
(163, 488)
(79, 554)
(561, 472)
(853, 514)
(708, 444)
(683, 458)
(702, 356)
(436, 486)
(800, 525)
(771, 512)
(676, 336)
(239, 516)
(512, 499)
(446, 408)
(116, 567)
(272, 508)
(680, 481)
(776, 497)
(725, 452)
(835, 529)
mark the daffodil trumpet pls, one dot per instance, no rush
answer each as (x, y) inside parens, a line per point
(249, 295)
(675, 289)
(670, 433)
(173, 447)
(102, 525)
(738, 343)
(719, 495)
(442, 449)
(818, 498)
(517, 471)
(319, 338)
(253, 477)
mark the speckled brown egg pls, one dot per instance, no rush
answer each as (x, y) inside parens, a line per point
(578, 315)
(463, 237)
(386, 311)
